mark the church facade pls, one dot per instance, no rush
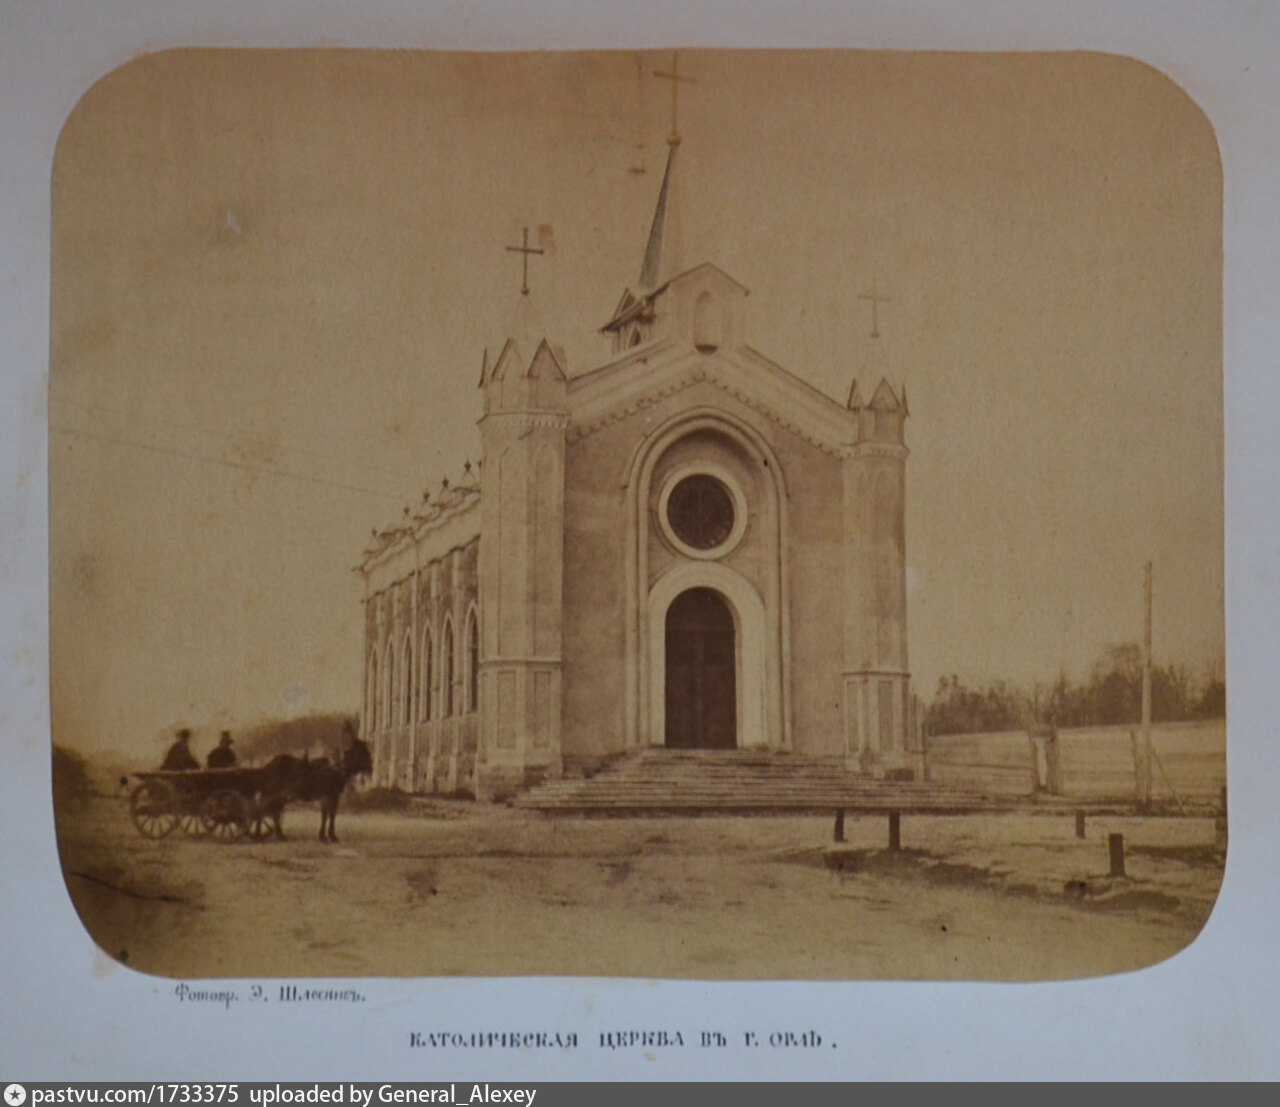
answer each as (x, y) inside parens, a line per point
(685, 547)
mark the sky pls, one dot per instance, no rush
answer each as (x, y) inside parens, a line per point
(275, 274)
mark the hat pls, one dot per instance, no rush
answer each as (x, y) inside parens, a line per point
(226, 738)
(184, 733)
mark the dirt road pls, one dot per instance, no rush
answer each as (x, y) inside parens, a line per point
(446, 889)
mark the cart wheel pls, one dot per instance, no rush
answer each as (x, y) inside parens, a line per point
(226, 815)
(192, 824)
(151, 805)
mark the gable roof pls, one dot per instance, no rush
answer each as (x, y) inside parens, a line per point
(616, 390)
(632, 305)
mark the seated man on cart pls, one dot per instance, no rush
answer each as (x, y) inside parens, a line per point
(180, 758)
(222, 756)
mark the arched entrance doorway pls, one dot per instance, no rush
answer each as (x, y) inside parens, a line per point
(701, 672)
(712, 442)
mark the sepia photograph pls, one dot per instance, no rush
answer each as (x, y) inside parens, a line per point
(684, 514)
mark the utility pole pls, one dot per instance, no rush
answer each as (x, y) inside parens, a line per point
(1142, 751)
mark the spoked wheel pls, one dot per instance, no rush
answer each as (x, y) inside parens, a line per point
(151, 807)
(192, 824)
(226, 815)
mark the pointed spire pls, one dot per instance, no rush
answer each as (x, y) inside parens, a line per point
(653, 253)
(662, 253)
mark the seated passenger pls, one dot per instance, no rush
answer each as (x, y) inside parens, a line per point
(180, 758)
(223, 757)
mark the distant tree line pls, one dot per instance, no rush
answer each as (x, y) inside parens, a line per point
(315, 735)
(1111, 696)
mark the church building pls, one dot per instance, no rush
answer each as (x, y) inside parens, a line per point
(684, 547)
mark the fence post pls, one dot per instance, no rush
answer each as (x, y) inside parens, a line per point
(1115, 845)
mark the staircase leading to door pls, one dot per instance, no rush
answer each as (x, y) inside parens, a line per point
(660, 781)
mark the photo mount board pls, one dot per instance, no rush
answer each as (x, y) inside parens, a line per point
(955, 991)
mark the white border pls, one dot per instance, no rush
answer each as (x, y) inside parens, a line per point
(1211, 1011)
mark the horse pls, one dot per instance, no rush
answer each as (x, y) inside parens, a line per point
(286, 778)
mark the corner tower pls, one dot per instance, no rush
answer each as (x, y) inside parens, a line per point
(879, 722)
(521, 560)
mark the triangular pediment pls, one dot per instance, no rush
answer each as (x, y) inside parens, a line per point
(632, 305)
(634, 383)
(707, 268)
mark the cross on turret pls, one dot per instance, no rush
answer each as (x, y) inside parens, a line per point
(676, 80)
(525, 249)
(876, 301)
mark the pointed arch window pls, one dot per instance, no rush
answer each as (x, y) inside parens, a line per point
(446, 676)
(473, 660)
(371, 692)
(387, 712)
(406, 705)
(427, 664)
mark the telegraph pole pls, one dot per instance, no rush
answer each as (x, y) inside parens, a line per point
(1142, 751)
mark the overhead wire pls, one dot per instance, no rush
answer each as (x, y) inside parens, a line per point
(240, 465)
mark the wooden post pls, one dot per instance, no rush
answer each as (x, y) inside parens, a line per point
(1079, 824)
(1035, 763)
(1115, 845)
(895, 830)
(837, 835)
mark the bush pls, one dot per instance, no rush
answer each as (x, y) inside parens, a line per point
(70, 779)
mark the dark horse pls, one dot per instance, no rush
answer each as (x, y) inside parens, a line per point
(286, 778)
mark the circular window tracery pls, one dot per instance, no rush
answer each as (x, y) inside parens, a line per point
(702, 511)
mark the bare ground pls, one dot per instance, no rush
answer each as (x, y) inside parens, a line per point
(452, 888)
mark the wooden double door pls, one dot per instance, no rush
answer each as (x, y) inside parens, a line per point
(701, 676)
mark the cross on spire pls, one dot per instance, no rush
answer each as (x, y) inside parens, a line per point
(876, 301)
(525, 249)
(676, 80)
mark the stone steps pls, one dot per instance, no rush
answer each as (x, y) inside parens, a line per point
(688, 781)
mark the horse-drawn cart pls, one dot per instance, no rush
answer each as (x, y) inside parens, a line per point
(228, 804)
(225, 804)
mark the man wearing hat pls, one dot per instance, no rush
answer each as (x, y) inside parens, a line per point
(222, 756)
(180, 758)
